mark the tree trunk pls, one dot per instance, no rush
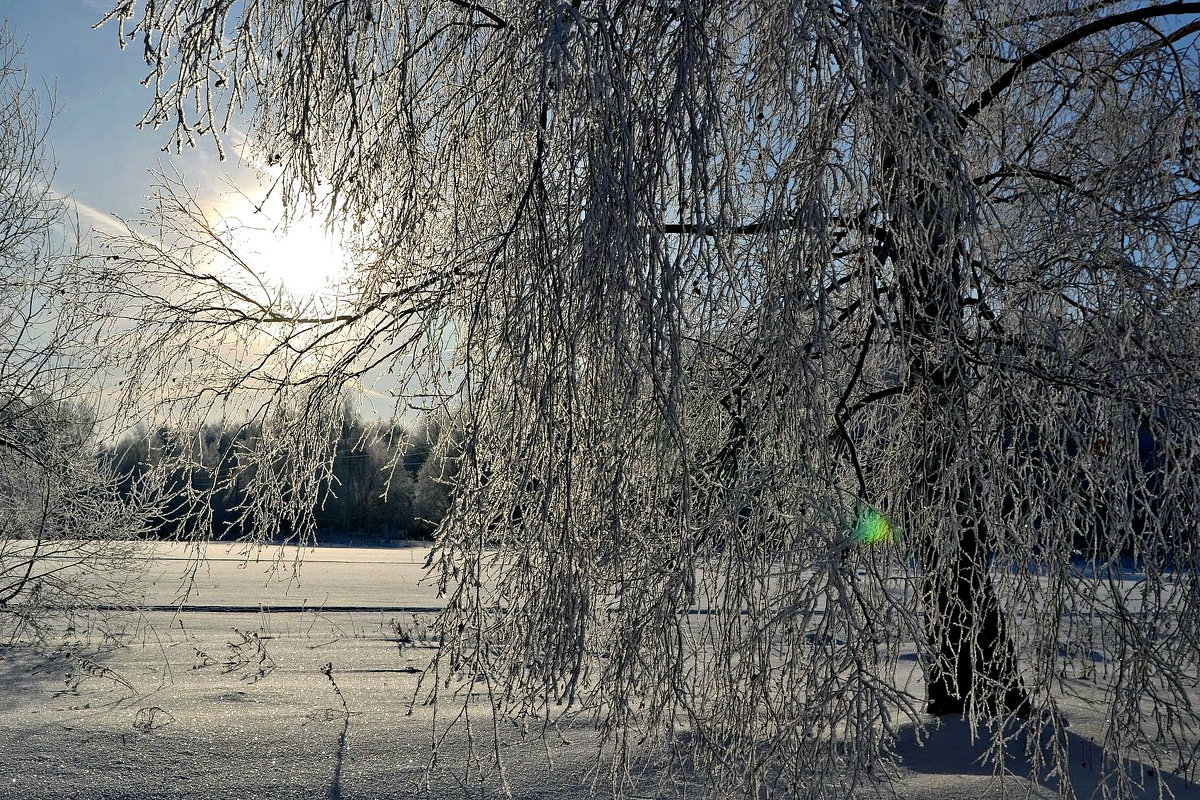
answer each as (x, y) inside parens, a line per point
(974, 666)
(927, 202)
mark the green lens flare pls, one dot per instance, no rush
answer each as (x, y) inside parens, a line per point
(873, 528)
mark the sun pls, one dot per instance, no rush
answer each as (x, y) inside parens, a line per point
(278, 253)
(300, 258)
(303, 258)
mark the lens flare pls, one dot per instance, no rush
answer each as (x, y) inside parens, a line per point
(872, 528)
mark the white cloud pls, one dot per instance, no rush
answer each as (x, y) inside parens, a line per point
(97, 220)
(241, 144)
(101, 6)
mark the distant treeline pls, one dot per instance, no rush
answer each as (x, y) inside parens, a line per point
(388, 481)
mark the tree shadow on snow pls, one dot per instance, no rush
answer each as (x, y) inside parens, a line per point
(25, 674)
(947, 747)
(335, 786)
(32, 676)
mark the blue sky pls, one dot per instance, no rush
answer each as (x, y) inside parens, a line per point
(103, 159)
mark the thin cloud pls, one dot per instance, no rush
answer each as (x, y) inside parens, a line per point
(103, 6)
(99, 220)
(241, 143)
(94, 218)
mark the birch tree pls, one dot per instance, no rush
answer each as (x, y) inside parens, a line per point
(848, 324)
(64, 534)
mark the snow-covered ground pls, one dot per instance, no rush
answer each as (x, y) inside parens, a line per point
(231, 575)
(241, 694)
(211, 712)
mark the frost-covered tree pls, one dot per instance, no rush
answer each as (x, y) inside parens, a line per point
(718, 292)
(64, 535)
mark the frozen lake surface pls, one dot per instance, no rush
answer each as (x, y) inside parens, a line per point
(240, 694)
(234, 576)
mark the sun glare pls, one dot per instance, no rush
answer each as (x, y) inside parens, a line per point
(302, 258)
